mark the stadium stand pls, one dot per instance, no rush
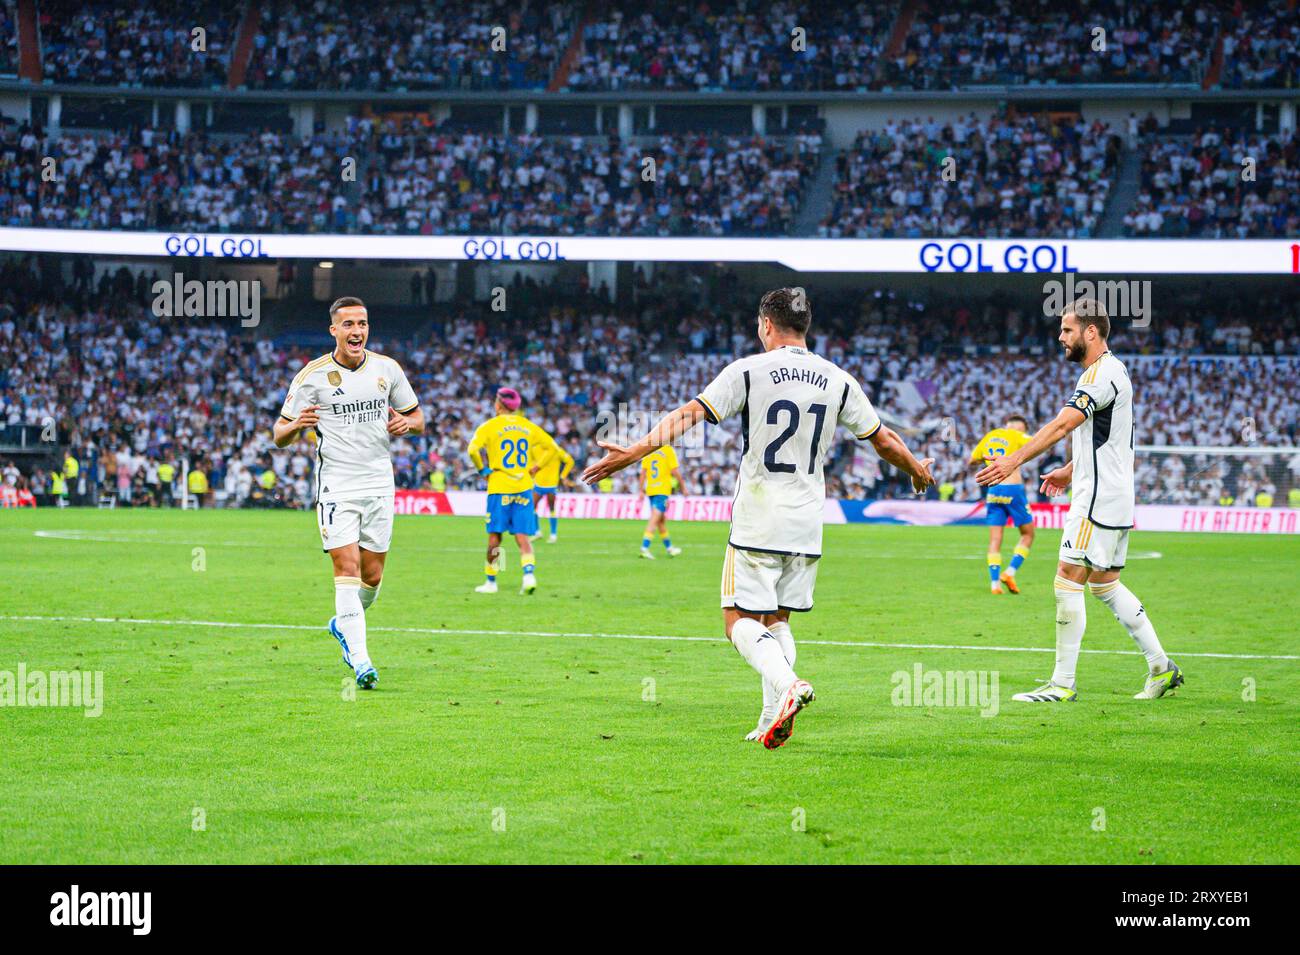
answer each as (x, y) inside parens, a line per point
(1055, 169)
(975, 42)
(415, 183)
(1015, 177)
(1197, 187)
(670, 45)
(139, 44)
(408, 46)
(1009, 177)
(134, 392)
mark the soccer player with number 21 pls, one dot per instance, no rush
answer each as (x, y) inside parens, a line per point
(789, 402)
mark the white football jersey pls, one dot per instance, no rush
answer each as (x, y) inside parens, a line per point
(789, 401)
(352, 456)
(1102, 447)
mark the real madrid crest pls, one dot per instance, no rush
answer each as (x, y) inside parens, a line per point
(383, 384)
(334, 378)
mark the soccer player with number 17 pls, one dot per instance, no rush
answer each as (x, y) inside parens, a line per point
(789, 402)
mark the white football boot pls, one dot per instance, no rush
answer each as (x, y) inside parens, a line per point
(795, 699)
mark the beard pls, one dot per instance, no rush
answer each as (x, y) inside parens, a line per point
(1075, 353)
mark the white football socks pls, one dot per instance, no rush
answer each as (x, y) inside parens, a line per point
(772, 699)
(351, 618)
(1129, 612)
(1071, 618)
(763, 652)
(368, 595)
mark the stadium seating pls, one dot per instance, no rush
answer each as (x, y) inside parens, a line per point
(1197, 187)
(1010, 177)
(137, 390)
(407, 46)
(146, 43)
(669, 46)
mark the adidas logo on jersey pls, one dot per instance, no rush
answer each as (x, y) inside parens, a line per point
(336, 393)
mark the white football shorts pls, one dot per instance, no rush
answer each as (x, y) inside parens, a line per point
(758, 582)
(367, 521)
(1087, 545)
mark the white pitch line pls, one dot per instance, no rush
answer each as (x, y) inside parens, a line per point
(611, 636)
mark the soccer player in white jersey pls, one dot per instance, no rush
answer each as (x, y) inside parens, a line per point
(1099, 418)
(789, 402)
(355, 401)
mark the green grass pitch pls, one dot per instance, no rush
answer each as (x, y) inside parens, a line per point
(517, 729)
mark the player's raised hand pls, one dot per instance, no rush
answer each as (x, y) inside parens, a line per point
(616, 460)
(923, 480)
(307, 418)
(397, 423)
(1056, 482)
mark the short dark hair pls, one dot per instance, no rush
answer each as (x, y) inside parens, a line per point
(788, 309)
(347, 301)
(1018, 417)
(1089, 311)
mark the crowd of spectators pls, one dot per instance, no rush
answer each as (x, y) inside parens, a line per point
(670, 45)
(8, 39)
(760, 46)
(435, 183)
(133, 396)
(1004, 176)
(1261, 45)
(405, 180)
(149, 179)
(1218, 184)
(974, 42)
(477, 45)
(145, 43)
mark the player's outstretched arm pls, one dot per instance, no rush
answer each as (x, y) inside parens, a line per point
(1048, 435)
(892, 449)
(669, 428)
(286, 431)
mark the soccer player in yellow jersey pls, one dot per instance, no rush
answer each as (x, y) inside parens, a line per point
(547, 480)
(659, 470)
(504, 449)
(1005, 501)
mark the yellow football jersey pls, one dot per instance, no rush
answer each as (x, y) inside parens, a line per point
(510, 444)
(998, 442)
(556, 467)
(657, 470)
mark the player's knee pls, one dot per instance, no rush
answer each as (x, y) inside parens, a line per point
(1105, 589)
(1072, 572)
